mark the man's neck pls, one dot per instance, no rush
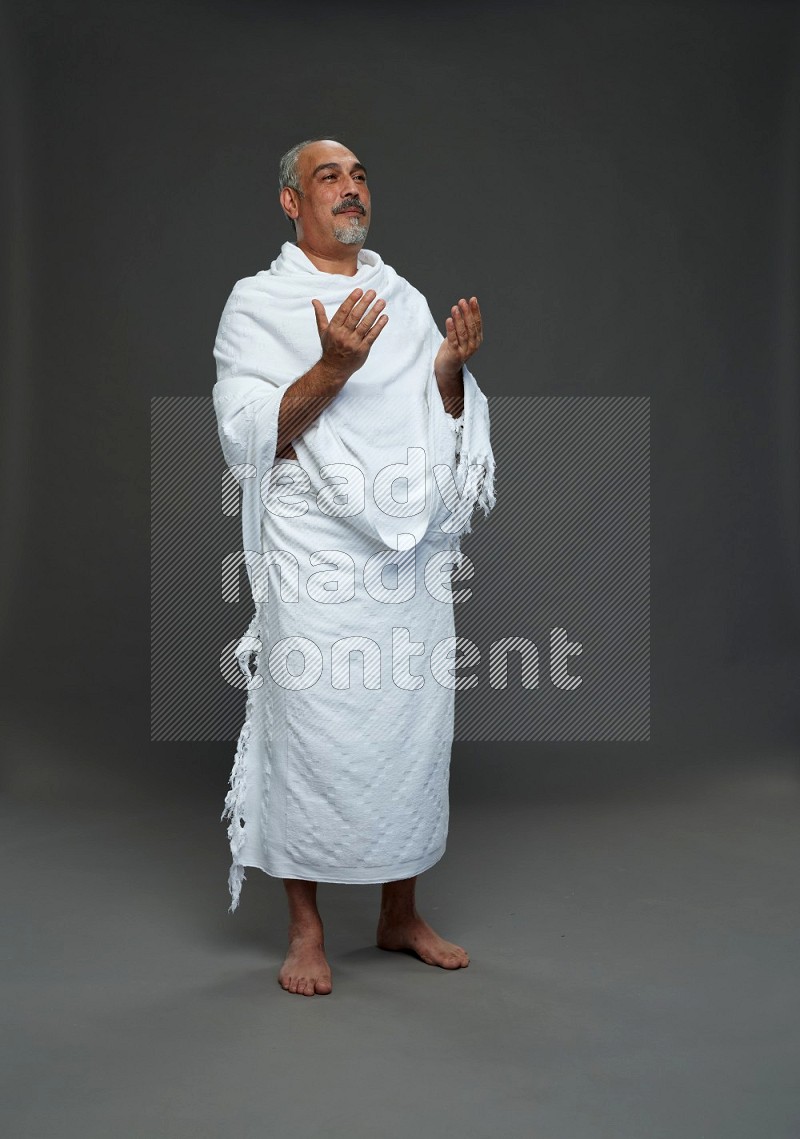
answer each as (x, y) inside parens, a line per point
(345, 262)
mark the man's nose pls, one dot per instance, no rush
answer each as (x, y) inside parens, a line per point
(351, 190)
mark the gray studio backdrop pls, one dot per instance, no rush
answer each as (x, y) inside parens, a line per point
(617, 183)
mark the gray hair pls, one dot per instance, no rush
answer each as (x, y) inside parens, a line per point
(288, 173)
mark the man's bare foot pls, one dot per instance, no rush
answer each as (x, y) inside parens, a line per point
(414, 935)
(306, 969)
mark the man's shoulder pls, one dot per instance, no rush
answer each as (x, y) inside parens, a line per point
(249, 284)
(244, 292)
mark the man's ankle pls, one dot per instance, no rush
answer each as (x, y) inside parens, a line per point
(395, 915)
(311, 930)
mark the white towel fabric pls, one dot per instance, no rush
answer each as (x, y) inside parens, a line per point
(336, 782)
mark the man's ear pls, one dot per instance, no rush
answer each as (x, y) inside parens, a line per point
(288, 200)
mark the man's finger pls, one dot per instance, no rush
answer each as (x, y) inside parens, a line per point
(469, 320)
(376, 329)
(476, 310)
(319, 313)
(460, 324)
(472, 322)
(369, 318)
(346, 307)
(359, 308)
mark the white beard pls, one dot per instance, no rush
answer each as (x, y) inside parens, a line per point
(353, 232)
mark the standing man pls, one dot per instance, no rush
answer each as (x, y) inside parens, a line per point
(335, 393)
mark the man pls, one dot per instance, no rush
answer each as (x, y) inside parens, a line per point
(337, 782)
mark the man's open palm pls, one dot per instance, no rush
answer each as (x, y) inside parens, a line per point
(352, 330)
(464, 336)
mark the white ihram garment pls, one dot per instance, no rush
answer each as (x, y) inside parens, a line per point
(342, 766)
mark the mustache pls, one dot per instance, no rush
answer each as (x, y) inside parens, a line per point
(352, 204)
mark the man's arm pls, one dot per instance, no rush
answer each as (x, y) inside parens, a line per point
(303, 401)
(464, 337)
(346, 341)
(452, 393)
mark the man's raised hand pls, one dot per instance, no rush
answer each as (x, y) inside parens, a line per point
(464, 337)
(352, 330)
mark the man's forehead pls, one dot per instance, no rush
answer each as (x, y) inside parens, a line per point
(318, 153)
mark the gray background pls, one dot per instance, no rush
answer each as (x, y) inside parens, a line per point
(618, 184)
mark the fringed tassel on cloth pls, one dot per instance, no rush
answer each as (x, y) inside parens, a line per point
(474, 462)
(236, 796)
(478, 488)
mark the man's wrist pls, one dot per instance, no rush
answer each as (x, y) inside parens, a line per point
(451, 389)
(332, 374)
(450, 382)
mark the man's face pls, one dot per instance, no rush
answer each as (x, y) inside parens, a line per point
(336, 207)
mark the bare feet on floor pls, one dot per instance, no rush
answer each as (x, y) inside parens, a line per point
(413, 935)
(306, 970)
